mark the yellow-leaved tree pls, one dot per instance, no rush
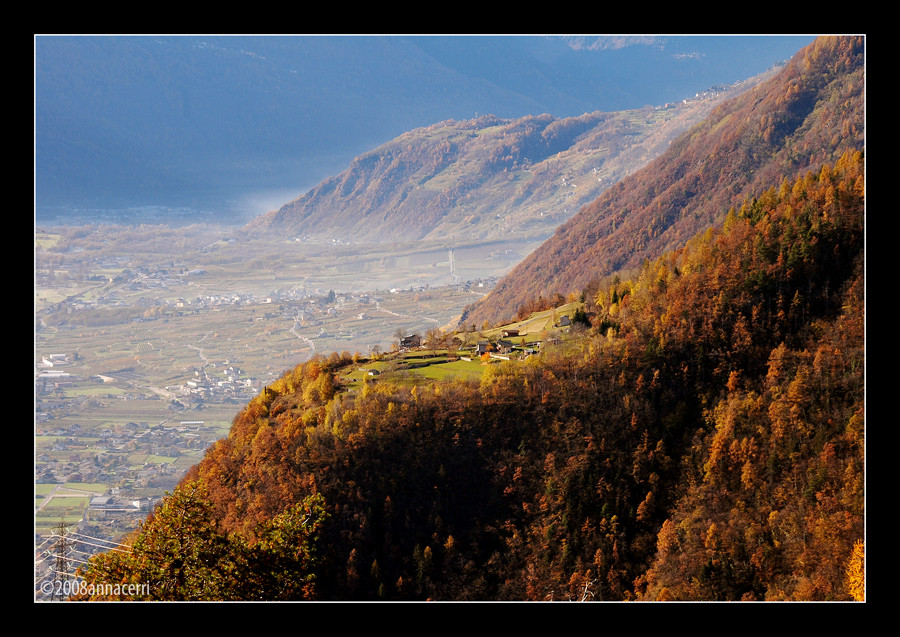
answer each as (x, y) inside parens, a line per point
(856, 572)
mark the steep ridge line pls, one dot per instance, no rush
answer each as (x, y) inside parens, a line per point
(807, 115)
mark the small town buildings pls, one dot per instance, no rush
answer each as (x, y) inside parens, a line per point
(57, 359)
(102, 502)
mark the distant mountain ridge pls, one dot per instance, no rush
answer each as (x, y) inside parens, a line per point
(223, 123)
(809, 114)
(487, 178)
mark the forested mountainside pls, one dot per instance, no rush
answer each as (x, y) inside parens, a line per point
(486, 178)
(703, 439)
(809, 114)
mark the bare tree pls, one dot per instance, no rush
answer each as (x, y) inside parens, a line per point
(434, 339)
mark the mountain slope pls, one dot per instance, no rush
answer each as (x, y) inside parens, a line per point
(486, 178)
(808, 114)
(704, 440)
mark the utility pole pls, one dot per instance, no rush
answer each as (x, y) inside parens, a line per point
(61, 568)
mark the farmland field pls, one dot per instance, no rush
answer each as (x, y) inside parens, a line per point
(148, 341)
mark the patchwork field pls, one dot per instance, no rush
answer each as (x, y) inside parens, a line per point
(149, 341)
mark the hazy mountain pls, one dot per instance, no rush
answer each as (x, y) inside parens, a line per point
(248, 123)
(807, 115)
(487, 178)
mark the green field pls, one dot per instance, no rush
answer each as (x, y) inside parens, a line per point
(67, 508)
(93, 487)
(419, 367)
(466, 370)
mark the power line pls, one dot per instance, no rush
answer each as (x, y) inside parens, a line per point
(107, 548)
(108, 545)
(99, 539)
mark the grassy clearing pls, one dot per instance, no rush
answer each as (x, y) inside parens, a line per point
(466, 370)
(92, 487)
(67, 502)
(66, 508)
(538, 322)
(415, 367)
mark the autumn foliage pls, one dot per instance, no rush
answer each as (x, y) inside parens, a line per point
(183, 553)
(807, 116)
(703, 440)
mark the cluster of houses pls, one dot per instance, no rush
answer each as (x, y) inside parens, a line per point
(132, 488)
(501, 348)
(229, 385)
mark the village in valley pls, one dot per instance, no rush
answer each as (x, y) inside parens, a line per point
(142, 360)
